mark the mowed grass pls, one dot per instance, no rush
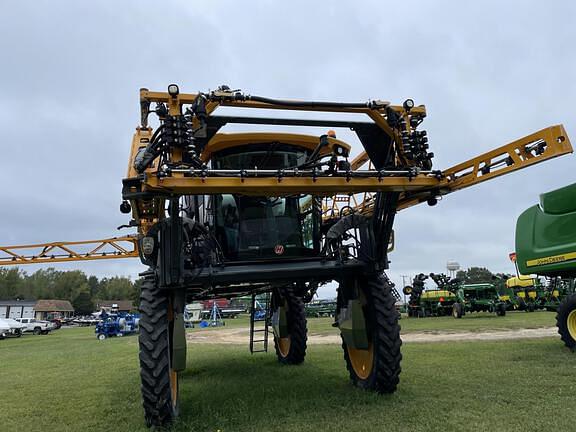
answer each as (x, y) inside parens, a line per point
(69, 381)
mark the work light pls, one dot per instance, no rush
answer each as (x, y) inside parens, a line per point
(173, 90)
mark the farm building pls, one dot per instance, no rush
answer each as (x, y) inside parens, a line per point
(49, 309)
(120, 305)
(17, 308)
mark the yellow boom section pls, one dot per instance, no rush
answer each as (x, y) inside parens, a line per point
(88, 250)
(537, 147)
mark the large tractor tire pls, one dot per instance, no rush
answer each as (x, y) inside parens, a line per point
(291, 349)
(159, 381)
(566, 321)
(377, 368)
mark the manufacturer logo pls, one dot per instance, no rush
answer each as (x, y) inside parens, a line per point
(279, 249)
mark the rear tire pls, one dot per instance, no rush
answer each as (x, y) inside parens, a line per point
(37, 331)
(378, 368)
(291, 350)
(566, 321)
(501, 310)
(457, 310)
(159, 381)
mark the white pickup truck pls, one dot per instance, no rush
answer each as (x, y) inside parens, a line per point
(4, 330)
(36, 326)
(15, 328)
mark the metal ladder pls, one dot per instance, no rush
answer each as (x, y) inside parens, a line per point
(259, 323)
(396, 294)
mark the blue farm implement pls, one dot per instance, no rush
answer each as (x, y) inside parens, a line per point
(116, 325)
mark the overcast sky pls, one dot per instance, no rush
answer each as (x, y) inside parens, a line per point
(488, 73)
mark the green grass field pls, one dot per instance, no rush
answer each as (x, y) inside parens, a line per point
(69, 381)
(472, 322)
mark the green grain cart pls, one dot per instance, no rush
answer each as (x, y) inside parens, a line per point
(546, 245)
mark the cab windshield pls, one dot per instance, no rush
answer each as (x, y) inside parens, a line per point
(250, 227)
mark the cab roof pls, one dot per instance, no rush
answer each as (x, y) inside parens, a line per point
(223, 141)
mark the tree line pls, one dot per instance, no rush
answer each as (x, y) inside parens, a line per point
(81, 290)
(479, 275)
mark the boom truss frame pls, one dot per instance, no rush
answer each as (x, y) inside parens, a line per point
(88, 250)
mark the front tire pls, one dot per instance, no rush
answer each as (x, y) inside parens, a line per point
(159, 381)
(377, 368)
(291, 350)
(566, 321)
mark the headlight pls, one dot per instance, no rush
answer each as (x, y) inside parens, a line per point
(148, 245)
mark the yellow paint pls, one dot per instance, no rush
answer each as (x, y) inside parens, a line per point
(571, 323)
(522, 281)
(437, 293)
(224, 141)
(551, 259)
(362, 361)
(88, 250)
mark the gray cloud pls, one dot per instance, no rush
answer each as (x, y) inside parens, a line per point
(488, 72)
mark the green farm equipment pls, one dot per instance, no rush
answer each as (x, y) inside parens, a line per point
(528, 292)
(435, 302)
(546, 246)
(321, 308)
(481, 297)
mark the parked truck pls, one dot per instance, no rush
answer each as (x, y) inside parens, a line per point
(36, 326)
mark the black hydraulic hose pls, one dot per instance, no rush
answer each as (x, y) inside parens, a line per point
(311, 104)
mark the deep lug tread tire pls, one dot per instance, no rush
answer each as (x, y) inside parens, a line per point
(297, 329)
(382, 323)
(154, 341)
(567, 306)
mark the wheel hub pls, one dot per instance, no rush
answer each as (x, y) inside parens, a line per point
(362, 361)
(571, 324)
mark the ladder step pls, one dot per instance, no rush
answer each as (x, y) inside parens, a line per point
(263, 306)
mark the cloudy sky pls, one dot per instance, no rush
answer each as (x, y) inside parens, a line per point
(488, 72)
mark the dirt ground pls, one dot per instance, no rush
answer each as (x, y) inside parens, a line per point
(241, 336)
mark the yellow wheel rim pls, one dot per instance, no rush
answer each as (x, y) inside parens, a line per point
(284, 346)
(174, 387)
(361, 360)
(571, 324)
